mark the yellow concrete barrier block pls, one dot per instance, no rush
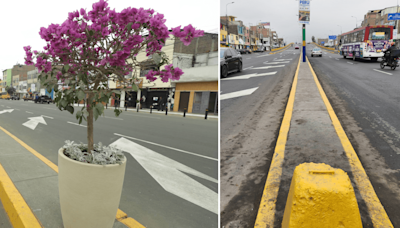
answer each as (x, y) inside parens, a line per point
(321, 196)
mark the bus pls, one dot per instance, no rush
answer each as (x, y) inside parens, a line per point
(366, 42)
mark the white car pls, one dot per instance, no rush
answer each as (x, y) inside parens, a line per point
(316, 51)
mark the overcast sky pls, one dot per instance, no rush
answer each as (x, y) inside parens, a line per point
(325, 15)
(21, 20)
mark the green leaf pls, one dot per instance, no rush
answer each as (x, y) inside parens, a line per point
(66, 68)
(80, 120)
(129, 26)
(63, 103)
(134, 87)
(99, 107)
(96, 114)
(91, 32)
(78, 114)
(70, 109)
(117, 91)
(80, 94)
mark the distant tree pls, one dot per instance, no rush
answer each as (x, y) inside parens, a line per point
(10, 90)
(313, 39)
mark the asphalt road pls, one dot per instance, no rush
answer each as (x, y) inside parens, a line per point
(189, 143)
(366, 99)
(249, 128)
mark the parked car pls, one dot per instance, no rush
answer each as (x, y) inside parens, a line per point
(316, 51)
(27, 98)
(244, 51)
(14, 97)
(44, 99)
(296, 47)
(230, 61)
(259, 50)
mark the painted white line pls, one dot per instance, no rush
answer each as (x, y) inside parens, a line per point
(247, 76)
(52, 108)
(172, 175)
(237, 94)
(265, 62)
(383, 72)
(112, 118)
(336, 59)
(267, 67)
(277, 62)
(48, 117)
(76, 124)
(168, 147)
(29, 112)
(247, 68)
(248, 58)
(18, 109)
(330, 56)
(282, 59)
(262, 56)
(8, 106)
(349, 63)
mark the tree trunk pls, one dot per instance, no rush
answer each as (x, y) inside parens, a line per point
(90, 124)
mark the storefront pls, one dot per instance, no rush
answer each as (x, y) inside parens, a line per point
(197, 97)
(156, 97)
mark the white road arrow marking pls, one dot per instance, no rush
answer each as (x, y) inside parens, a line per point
(247, 76)
(170, 174)
(34, 121)
(6, 110)
(266, 67)
(237, 94)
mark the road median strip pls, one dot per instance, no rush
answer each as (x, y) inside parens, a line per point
(17, 211)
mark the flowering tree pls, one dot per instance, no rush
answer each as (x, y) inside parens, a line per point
(91, 48)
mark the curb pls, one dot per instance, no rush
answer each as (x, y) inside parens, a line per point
(17, 209)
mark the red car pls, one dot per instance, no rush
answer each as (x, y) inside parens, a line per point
(296, 47)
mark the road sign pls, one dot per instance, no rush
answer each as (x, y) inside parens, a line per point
(322, 42)
(332, 37)
(304, 11)
(393, 16)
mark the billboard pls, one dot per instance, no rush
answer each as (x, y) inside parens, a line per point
(265, 24)
(304, 12)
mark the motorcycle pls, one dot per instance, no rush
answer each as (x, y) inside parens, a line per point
(394, 56)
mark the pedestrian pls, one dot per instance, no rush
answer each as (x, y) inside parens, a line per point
(159, 103)
(143, 100)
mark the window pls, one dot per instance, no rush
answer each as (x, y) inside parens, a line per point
(144, 69)
(379, 34)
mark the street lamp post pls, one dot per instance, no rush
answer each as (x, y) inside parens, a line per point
(356, 20)
(227, 23)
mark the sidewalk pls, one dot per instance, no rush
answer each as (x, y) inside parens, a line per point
(155, 111)
(34, 180)
(311, 132)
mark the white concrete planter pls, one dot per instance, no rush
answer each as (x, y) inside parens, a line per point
(89, 193)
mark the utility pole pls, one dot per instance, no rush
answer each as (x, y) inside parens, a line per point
(304, 43)
(227, 23)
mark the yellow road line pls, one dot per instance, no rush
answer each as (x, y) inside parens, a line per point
(121, 216)
(376, 211)
(266, 211)
(17, 209)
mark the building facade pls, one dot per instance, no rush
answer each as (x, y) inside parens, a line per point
(197, 89)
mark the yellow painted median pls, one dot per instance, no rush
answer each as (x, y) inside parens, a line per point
(321, 196)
